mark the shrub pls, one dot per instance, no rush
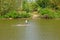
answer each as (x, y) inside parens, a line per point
(14, 14)
(49, 12)
(58, 15)
(24, 15)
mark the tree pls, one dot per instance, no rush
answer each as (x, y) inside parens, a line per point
(43, 3)
(7, 6)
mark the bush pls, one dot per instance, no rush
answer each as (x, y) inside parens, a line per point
(58, 15)
(49, 12)
(44, 11)
(14, 14)
(24, 15)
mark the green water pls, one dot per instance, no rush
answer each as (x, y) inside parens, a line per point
(37, 29)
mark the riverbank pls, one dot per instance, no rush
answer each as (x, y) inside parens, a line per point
(44, 14)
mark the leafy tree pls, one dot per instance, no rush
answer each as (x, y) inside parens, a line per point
(43, 3)
(7, 6)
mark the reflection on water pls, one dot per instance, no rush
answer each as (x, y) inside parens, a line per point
(38, 29)
(30, 33)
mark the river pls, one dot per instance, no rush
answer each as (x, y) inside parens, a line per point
(36, 29)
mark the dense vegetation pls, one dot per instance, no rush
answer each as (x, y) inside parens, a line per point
(23, 8)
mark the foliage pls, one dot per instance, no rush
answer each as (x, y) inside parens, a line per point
(14, 14)
(25, 6)
(50, 13)
(24, 15)
(43, 3)
(58, 14)
(33, 7)
(7, 5)
(11, 14)
(8, 8)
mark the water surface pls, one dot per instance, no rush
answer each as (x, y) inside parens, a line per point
(37, 29)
